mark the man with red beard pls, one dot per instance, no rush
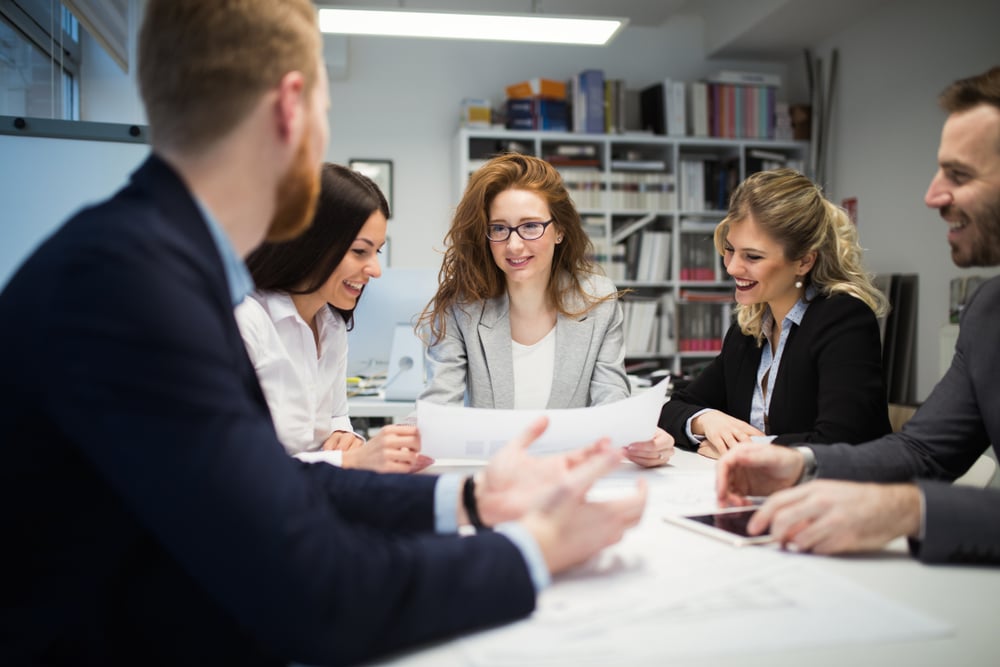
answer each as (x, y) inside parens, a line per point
(150, 515)
(901, 482)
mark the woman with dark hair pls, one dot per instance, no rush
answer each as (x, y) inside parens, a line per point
(804, 361)
(295, 327)
(522, 318)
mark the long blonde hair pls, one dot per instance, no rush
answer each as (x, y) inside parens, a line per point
(469, 274)
(792, 210)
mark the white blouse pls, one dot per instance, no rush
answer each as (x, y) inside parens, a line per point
(534, 366)
(306, 389)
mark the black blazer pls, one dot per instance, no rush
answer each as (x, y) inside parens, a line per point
(829, 386)
(151, 516)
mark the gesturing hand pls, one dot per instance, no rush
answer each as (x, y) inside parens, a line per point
(756, 469)
(515, 481)
(570, 529)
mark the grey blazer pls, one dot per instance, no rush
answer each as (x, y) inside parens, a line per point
(475, 356)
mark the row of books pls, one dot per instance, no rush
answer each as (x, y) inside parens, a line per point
(649, 325)
(730, 104)
(707, 181)
(702, 326)
(624, 191)
(659, 326)
(698, 258)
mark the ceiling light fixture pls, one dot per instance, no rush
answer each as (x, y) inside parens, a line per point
(449, 25)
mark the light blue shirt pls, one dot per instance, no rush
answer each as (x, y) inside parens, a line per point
(237, 276)
(240, 283)
(771, 362)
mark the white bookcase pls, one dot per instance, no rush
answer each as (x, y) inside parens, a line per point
(650, 204)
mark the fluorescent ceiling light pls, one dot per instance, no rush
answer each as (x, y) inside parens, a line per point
(448, 25)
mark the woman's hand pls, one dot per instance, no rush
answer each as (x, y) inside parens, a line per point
(652, 453)
(721, 432)
(395, 448)
(342, 441)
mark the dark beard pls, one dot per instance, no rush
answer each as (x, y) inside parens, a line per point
(298, 192)
(987, 252)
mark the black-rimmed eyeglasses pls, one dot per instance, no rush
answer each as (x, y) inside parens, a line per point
(529, 231)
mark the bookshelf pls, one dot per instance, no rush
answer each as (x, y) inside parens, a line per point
(650, 204)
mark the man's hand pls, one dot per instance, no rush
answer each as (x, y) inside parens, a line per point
(652, 453)
(755, 469)
(828, 517)
(515, 482)
(721, 431)
(569, 529)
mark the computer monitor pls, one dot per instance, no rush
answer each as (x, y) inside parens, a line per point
(397, 297)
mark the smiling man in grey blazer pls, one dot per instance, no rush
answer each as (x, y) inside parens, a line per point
(948, 433)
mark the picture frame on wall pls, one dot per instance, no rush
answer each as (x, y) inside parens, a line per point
(380, 171)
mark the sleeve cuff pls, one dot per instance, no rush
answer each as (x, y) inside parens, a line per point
(809, 468)
(333, 457)
(446, 503)
(694, 438)
(530, 550)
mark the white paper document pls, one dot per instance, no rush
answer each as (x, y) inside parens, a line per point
(455, 432)
(714, 601)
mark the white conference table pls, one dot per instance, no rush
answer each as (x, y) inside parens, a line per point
(648, 600)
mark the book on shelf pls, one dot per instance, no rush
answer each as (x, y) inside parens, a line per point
(616, 263)
(641, 324)
(537, 87)
(614, 106)
(588, 101)
(746, 78)
(639, 165)
(654, 256)
(705, 296)
(697, 258)
(626, 230)
(702, 326)
(698, 109)
(664, 109)
(568, 161)
(668, 333)
(536, 113)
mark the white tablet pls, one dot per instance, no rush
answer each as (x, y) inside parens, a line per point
(729, 525)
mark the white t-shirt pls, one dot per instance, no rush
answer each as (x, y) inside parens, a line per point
(306, 392)
(534, 366)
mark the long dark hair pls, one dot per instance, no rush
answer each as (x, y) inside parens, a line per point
(300, 266)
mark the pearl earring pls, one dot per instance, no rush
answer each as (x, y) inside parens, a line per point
(798, 284)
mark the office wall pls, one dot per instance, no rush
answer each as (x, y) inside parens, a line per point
(885, 133)
(401, 100)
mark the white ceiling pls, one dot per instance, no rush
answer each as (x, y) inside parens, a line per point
(733, 28)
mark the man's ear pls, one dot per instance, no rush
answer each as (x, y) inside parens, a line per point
(290, 105)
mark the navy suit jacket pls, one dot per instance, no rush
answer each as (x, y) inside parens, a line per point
(954, 426)
(829, 386)
(150, 514)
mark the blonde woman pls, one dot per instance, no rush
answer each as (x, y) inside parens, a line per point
(804, 362)
(521, 318)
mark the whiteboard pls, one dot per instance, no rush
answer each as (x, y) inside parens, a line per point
(44, 180)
